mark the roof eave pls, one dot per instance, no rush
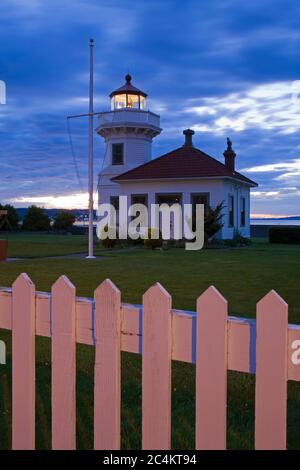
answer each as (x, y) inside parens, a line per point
(117, 179)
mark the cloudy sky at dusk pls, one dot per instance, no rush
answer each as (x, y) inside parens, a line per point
(222, 67)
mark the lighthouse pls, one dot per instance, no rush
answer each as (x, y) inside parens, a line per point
(128, 130)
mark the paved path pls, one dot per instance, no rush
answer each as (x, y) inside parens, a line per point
(72, 256)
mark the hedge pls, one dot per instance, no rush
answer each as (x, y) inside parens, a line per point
(288, 235)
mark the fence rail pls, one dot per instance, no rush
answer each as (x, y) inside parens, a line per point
(209, 338)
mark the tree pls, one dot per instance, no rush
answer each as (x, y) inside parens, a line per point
(64, 220)
(213, 221)
(36, 219)
(12, 218)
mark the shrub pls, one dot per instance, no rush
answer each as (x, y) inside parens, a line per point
(106, 241)
(230, 242)
(287, 235)
(237, 240)
(133, 241)
(64, 220)
(240, 240)
(36, 219)
(213, 221)
(12, 219)
(109, 242)
(150, 241)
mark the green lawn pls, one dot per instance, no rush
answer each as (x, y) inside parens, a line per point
(243, 275)
(34, 245)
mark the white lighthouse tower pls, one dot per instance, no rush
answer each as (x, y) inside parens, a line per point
(128, 130)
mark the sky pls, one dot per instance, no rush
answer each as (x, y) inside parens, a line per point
(221, 67)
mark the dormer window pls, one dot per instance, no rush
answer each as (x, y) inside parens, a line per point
(117, 151)
(128, 97)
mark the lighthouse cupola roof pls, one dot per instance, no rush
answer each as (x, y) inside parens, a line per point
(128, 88)
(128, 96)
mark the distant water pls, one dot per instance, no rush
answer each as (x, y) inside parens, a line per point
(84, 223)
(274, 222)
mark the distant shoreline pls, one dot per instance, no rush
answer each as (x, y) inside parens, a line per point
(292, 218)
(277, 221)
(82, 217)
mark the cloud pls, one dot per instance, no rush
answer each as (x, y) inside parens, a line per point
(289, 171)
(116, 22)
(275, 167)
(270, 106)
(264, 193)
(69, 201)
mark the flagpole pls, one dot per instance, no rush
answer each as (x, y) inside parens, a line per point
(91, 154)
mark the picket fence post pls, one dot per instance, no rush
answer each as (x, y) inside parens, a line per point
(63, 387)
(107, 376)
(23, 364)
(271, 373)
(211, 371)
(156, 369)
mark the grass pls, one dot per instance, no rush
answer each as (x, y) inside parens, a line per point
(243, 275)
(32, 245)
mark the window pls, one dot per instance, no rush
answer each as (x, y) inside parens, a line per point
(139, 199)
(231, 211)
(125, 100)
(142, 103)
(118, 102)
(133, 101)
(114, 200)
(175, 219)
(169, 199)
(199, 198)
(117, 154)
(243, 212)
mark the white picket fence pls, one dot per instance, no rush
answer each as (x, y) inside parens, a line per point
(209, 338)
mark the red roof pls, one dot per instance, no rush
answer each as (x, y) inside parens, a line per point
(182, 163)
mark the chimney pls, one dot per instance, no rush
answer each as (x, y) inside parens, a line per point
(188, 133)
(229, 156)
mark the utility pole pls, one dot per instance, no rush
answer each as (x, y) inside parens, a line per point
(91, 155)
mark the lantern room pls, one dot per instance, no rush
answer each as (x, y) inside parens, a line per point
(128, 97)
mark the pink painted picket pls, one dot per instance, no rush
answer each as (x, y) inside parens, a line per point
(63, 365)
(211, 339)
(271, 373)
(107, 378)
(156, 376)
(211, 371)
(23, 364)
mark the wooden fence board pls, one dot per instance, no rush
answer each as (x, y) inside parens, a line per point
(271, 373)
(107, 377)
(156, 366)
(23, 364)
(63, 387)
(211, 371)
